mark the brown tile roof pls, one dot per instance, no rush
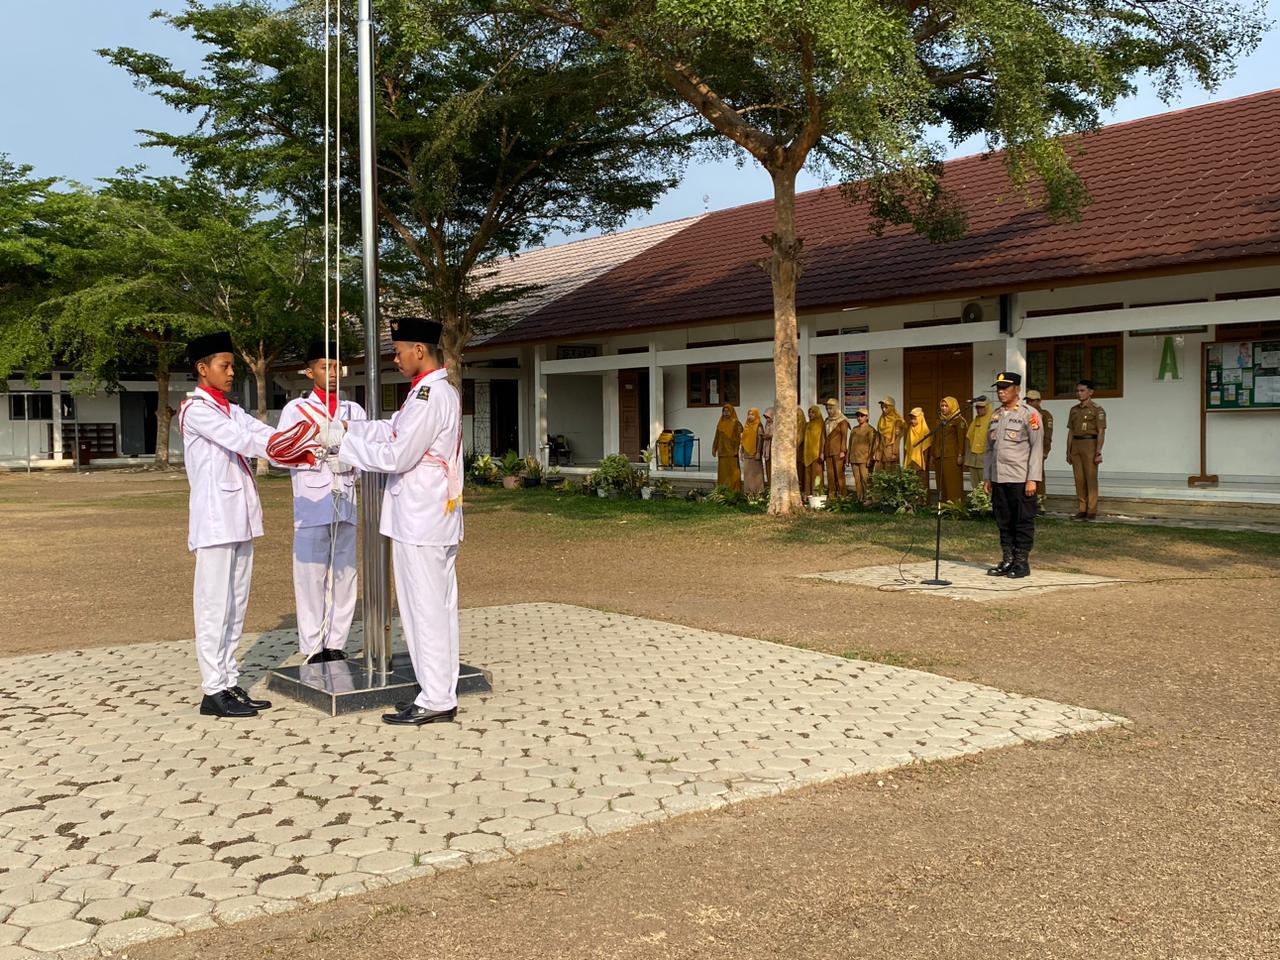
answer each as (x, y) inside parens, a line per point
(1171, 191)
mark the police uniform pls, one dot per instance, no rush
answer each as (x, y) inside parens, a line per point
(224, 517)
(324, 532)
(1015, 440)
(1086, 430)
(421, 448)
(1047, 419)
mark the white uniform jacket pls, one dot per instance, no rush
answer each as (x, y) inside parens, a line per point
(224, 504)
(313, 487)
(419, 446)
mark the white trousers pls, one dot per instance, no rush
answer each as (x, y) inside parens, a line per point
(220, 598)
(427, 595)
(311, 546)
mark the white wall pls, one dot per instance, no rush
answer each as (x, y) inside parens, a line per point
(575, 408)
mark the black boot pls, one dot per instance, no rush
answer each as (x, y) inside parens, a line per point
(1021, 566)
(1002, 568)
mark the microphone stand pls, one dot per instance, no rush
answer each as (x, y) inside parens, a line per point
(937, 580)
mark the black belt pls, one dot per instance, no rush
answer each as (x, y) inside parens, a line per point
(1085, 436)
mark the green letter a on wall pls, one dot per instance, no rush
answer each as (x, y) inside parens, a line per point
(1168, 362)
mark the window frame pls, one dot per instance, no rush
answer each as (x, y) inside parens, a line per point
(1049, 346)
(707, 371)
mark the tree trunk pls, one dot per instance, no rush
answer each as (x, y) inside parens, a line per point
(452, 340)
(259, 367)
(164, 414)
(784, 272)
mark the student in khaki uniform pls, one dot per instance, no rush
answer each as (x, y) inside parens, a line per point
(889, 433)
(861, 441)
(915, 453)
(724, 448)
(948, 451)
(976, 447)
(835, 448)
(811, 439)
(1033, 398)
(1086, 431)
(1013, 465)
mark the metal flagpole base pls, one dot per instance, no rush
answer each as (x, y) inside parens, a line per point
(936, 583)
(348, 686)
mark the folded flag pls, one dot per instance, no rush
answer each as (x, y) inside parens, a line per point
(294, 446)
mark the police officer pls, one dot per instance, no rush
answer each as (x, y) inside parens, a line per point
(421, 448)
(1086, 431)
(1014, 462)
(1033, 398)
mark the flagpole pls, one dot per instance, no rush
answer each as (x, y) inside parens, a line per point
(375, 594)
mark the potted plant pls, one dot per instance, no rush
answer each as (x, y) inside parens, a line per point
(484, 470)
(615, 476)
(554, 478)
(818, 499)
(532, 472)
(661, 489)
(512, 468)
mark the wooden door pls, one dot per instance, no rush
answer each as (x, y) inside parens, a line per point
(504, 417)
(629, 412)
(931, 373)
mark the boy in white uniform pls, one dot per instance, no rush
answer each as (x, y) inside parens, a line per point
(324, 521)
(421, 447)
(225, 515)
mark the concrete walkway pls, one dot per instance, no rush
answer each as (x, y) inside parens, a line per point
(125, 816)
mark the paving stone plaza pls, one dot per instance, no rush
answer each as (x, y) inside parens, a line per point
(125, 816)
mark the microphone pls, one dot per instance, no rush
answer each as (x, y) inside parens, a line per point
(981, 397)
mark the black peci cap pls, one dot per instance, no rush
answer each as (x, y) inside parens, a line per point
(416, 330)
(316, 351)
(208, 345)
(1008, 379)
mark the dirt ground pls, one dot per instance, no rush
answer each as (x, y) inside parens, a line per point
(1158, 841)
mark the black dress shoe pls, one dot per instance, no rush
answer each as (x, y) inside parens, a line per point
(1080, 516)
(242, 695)
(334, 655)
(318, 657)
(415, 716)
(224, 704)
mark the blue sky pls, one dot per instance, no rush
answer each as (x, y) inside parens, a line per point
(70, 113)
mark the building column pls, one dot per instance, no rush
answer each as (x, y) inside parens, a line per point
(807, 386)
(1015, 345)
(657, 396)
(609, 397)
(56, 387)
(540, 426)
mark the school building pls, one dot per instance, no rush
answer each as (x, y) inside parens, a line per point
(1166, 293)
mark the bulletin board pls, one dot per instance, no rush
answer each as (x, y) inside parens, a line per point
(1242, 376)
(853, 381)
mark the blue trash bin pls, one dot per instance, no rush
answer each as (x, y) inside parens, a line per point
(682, 453)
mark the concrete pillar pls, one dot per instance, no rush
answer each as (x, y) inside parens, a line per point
(657, 396)
(609, 397)
(56, 387)
(807, 388)
(1015, 345)
(540, 426)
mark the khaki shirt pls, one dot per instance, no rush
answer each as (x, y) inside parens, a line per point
(1015, 445)
(1047, 417)
(861, 440)
(1084, 419)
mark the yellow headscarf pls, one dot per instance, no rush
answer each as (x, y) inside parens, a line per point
(950, 407)
(814, 431)
(728, 432)
(890, 422)
(977, 435)
(917, 443)
(751, 433)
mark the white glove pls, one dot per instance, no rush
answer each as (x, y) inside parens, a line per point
(338, 466)
(331, 434)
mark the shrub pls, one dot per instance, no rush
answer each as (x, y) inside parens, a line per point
(898, 491)
(484, 470)
(978, 503)
(616, 473)
(512, 464)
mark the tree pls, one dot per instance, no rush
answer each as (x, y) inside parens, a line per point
(494, 129)
(859, 88)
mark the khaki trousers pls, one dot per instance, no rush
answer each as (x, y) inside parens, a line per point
(836, 486)
(1086, 474)
(860, 479)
